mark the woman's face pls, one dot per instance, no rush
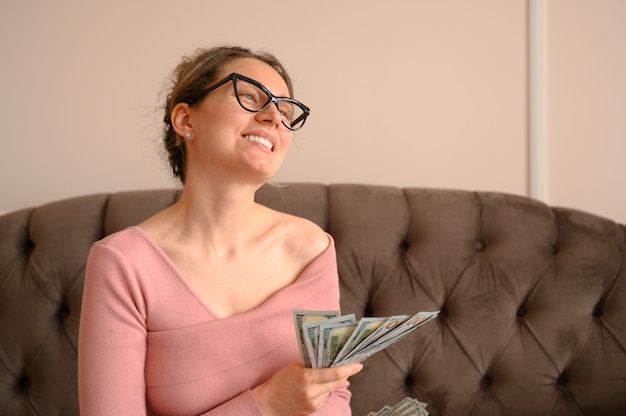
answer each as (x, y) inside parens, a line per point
(229, 142)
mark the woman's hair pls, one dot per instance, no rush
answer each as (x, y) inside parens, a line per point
(190, 77)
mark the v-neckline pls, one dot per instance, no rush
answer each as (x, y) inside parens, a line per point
(180, 277)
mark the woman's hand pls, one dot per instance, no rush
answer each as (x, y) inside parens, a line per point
(298, 391)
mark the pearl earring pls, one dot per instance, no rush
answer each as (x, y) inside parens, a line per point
(188, 134)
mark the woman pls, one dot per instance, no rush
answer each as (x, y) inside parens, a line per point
(190, 312)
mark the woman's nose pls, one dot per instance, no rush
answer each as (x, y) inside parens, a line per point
(270, 114)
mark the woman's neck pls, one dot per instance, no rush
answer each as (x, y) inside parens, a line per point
(217, 216)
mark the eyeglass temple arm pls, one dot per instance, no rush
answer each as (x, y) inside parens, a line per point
(211, 88)
(296, 121)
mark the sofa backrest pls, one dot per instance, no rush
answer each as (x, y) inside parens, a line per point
(533, 298)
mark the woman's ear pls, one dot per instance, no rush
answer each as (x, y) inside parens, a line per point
(181, 119)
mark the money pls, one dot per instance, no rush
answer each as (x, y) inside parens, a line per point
(329, 340)
(316, 330)
(387, 326)
(332, 338)
(406, 407)
(364, 328)
(395, 329)
(301, 317)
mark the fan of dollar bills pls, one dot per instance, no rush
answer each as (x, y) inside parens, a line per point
(329, 340)
(406, 407)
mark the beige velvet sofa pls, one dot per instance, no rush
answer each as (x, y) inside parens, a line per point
(533, 298)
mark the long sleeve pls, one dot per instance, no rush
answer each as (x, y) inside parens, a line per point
(112, 338)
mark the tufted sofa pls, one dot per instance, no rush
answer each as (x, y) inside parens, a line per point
(533, 298)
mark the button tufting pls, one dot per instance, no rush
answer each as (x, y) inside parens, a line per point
(23, 383)
(521, 311)
(597, 311)
(64, 312)
(29, 246)
(409, 381)
(562, 379)
(487, 381)
(479, 246)
(443, 312)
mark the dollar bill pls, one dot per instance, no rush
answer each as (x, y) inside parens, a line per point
(301, 317)
(391, 336)
(406, 407)
(332, 337)
(407, 326)
(388, 325)
(312, 335)
(364, 329)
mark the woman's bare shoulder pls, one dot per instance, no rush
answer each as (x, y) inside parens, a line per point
(301, 237)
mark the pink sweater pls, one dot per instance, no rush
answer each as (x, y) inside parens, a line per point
(148, 345)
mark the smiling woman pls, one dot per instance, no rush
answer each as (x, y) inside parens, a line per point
(189, 84)
(213, 123)
(190, 312)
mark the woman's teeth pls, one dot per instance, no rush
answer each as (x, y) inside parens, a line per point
(261, 140)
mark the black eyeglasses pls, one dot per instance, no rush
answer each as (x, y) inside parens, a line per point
(254, 97)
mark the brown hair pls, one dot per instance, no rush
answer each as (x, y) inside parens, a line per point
(192, 75)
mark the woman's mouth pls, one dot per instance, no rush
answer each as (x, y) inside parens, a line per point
(261, 140)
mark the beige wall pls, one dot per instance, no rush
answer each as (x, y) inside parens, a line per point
(407, 93)
(586, 105)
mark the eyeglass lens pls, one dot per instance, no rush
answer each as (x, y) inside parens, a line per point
(253, 98)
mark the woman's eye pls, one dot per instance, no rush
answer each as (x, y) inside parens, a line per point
(286, 111)
(286, 115)
(249, 97)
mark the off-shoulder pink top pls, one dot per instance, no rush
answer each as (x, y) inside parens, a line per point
(148, 345)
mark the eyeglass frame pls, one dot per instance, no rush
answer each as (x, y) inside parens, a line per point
(306, 111)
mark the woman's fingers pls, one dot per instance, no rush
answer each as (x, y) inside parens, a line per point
(327, 380)
(296, 390)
